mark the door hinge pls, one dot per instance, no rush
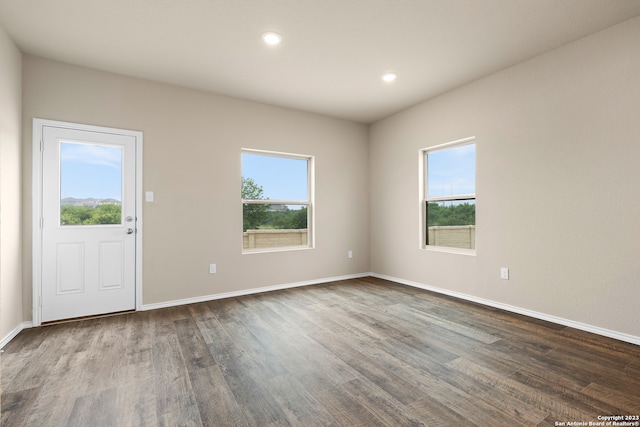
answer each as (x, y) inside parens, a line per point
(41, 223)
(42, 145)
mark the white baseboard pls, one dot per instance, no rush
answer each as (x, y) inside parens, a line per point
(249, 292)
(11, 335)
(549, 318)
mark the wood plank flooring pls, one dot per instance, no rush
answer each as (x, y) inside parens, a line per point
(363, 352)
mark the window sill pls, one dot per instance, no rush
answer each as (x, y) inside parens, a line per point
(280, 249)
(446, 249)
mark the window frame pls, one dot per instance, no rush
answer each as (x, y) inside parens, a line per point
(425, 199)
(309, 203)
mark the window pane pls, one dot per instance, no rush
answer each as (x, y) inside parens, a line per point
(90, 184)
(274, 225)
(279, 178)
(452, 171)
(452, 224)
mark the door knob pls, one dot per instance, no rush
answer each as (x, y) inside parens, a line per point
(129, 230)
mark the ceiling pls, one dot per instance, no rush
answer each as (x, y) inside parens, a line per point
(333, 53)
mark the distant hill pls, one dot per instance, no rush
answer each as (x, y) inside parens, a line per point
(72, 201)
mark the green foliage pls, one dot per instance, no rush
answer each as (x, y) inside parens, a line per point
(106, 214)
(460, 214)
(83, 215)
(287, 219)
(251, 190)
(252, 215)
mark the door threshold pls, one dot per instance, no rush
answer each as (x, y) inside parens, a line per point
(78, 319)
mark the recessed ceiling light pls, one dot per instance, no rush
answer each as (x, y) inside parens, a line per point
(389, 77)
(271, 38)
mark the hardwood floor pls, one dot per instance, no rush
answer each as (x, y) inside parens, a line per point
(363, 352)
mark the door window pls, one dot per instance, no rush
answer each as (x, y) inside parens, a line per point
(90, 184)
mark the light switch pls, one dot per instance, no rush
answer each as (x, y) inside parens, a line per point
(148, 196)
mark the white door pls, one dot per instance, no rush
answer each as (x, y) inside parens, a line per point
(88, 222)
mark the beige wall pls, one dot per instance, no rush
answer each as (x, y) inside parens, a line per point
(10, 186)
(558, 176)
(192, 143)
(558, 184)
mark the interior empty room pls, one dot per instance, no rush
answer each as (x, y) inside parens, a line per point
(349, 213)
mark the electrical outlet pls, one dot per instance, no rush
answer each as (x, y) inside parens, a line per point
(212, 269)
(350, 254)
(504, 273)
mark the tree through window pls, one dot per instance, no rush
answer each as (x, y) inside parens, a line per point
(276, 200)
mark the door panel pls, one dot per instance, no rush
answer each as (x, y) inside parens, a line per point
(111, 265)
(88, 223)
(70, 268)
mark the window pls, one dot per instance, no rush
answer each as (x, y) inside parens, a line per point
(277, 201)
(449, 195)
(90, 184)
